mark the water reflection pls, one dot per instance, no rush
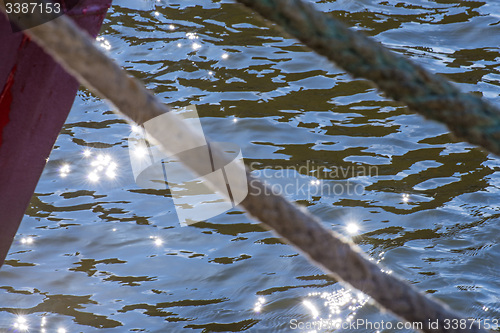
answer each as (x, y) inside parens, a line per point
(87, 153)
(259, 304)
(21, 324)
(196, 46)
(352, 228)
(93, 177)
(27, 240)
(311, 307)
(102, 166)
(191, 35)
(103, 42)
(156, 240)
(292, 107)
(64, 170)
(342, 304)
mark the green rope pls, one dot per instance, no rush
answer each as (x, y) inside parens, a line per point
(468, 117)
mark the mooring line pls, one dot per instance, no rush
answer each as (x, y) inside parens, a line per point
(468, 117)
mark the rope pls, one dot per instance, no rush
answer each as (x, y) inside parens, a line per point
(336, 255)
(468, 117)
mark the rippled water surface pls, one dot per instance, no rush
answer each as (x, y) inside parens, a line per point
(100, 254)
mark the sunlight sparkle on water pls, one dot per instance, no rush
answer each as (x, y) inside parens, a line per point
(27, 240)
(352, 228)
(111, 170)
(111, 174)
(64, 170)
(259, 304)
(86, 153)
(61, 330)
(196, 46)
(342, 304)
(314, 311)
(103, 43)
(93, 177)
(21, 324)
(157, 240)
(406, 197)
(225, 56)
(102, 166)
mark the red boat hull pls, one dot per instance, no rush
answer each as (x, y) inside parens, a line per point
(36, 95)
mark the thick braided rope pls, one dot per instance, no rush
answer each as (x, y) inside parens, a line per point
(345, 261)
(75, 51)
(467, 116)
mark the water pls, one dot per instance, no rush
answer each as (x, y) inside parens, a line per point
(103, 255)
